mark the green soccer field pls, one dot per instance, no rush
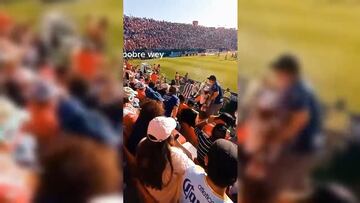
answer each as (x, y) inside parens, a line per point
(199, 68)
(31, 11)
(323, 33)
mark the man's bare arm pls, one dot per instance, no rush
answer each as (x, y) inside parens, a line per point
(174, 111)
(298, 120)
(214, 95)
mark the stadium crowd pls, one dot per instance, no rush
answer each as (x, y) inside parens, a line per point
(178, 139)
(60, 113)
(144, 33)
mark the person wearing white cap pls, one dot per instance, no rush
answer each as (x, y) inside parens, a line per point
(160, 165)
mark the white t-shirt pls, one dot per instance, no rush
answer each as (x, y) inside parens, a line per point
(195, 188)
(171, 192)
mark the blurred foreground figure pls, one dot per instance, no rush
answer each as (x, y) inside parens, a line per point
(16, 181)
(46, 98)
(77, 170)
(283, 128)
(221, 162)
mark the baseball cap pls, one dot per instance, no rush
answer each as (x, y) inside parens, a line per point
(160, 128)
(212, 77)
(222, 163)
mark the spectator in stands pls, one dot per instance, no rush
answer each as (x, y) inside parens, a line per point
(282, 134)
(177, 78)
(188, 90)
(222, 168)
(171, 102)
(160, 165)
(182, 104)
(76, 169)
(43, 122)
(144, 33)
(16, 181)
(188, 119)
(302, 115)
(216, 98)
(149, 110)
(205, 141)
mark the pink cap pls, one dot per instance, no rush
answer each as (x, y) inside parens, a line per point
(161, 128)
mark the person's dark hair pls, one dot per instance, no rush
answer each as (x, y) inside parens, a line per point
(287, 63)
(76, 169)
(151, 84)
(78, 87)
(162, 92)
(188, 116)
(62, 72)
(181, 98)
(126, 100)
(173, 82)
(151, 160)
(13, 91)
(191, 103)
(228, 119)
(172, 90)
(203, 115)
(218, 132)
(222, 166)
(149, 110)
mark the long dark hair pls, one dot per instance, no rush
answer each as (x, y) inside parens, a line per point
(151, 159)
(149, 110)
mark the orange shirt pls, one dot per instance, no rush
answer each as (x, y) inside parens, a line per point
(43, 122)
(154, 77)
(128, 122)
(5, 21)
(128, 66)
(189, 134)
(242, 133)
(182, 106)
(208, 129)
(87, 63)
(141, 94)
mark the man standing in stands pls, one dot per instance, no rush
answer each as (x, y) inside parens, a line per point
(300, 110)
(216, 99)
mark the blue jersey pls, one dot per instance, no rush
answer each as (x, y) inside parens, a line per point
(300, 97)
(170, 101)
(216, 88)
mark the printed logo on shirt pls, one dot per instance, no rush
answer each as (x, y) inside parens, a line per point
(189, 193)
